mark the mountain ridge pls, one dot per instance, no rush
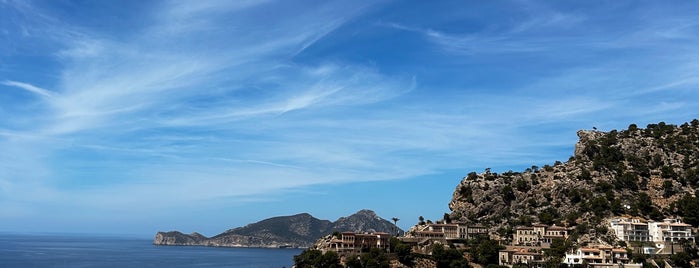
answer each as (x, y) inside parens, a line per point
(299, 230)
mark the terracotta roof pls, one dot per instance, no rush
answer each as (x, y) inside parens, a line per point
(444, 224)
(680, 224)
(429, 232)
(526, 253)
(557, 228)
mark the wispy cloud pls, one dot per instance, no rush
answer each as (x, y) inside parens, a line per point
(205, 101)
(118, 98)
(517, 35)
(28, 87)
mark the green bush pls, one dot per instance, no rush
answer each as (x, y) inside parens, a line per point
(485, 251)
(313, 258)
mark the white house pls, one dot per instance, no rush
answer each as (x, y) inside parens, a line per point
(630, 229)
(670, 230)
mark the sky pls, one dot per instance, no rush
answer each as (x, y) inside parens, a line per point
(132, 117)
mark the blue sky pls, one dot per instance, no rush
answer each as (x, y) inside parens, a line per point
(130, 117)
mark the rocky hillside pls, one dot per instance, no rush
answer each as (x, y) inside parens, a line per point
(364, 221)
(651, 172)
(299, 230)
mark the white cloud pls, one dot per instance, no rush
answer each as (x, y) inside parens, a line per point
(28, 87)
(119, 97)
(202, 105)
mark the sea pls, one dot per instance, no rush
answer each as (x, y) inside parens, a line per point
(78, 251)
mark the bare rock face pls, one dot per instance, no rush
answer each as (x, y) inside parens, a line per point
(177, 238)
(584, 137)
(299, 230)
(638, 172)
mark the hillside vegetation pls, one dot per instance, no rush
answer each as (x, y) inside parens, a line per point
(650, 172)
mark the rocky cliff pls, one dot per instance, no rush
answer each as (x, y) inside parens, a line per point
(299, 230)
(651, 173)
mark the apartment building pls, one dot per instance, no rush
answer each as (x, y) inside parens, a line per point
(670, 230)
(636, 229)
(630, 229)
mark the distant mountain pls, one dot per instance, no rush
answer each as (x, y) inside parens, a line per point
(300, 230)
(363, 221)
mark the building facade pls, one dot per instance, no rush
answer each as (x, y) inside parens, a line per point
(450, 231)
(630, 229)
(538, 234)
(670, 230)
(529, 256)
(598, 257)
(355, 242)
(635, 229)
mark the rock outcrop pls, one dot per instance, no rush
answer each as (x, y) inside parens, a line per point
(300, 230)
(177, 238)
(637, 172)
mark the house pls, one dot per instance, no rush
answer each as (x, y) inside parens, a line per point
(555, 232)
(354, 242)
(670, 230)
(538, 233)
(635, 229)
(472, 231)
(526, 235)
(439, 230)
(449, 231)
(532, 257)
(630, 229)
(601, 256)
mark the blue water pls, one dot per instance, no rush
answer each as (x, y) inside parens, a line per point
(26, 251)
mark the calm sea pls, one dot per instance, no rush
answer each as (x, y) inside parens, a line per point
(25, 251)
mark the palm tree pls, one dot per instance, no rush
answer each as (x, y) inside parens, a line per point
(395, 225)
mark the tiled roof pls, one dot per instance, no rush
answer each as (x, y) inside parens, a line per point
(527, 253)
(524, 228)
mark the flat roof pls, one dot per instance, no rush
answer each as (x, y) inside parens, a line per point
(444, 224)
